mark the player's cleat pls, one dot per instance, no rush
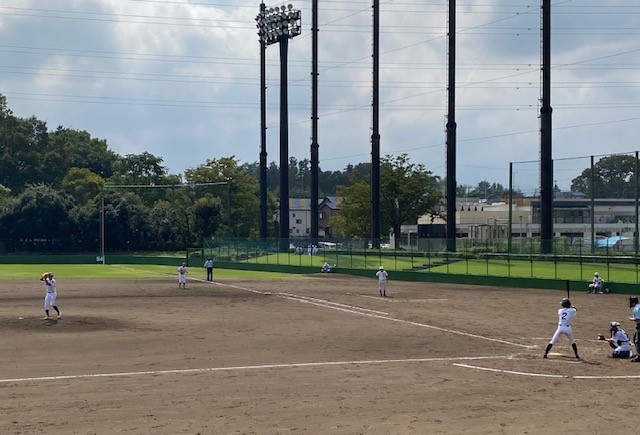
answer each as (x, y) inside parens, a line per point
(46, 318)
(544, 356)
(577, 357)
(635, 359)
(59, 316)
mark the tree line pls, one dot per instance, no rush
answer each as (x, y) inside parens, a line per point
(56, 186)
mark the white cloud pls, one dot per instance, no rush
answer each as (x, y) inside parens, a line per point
(180, 79)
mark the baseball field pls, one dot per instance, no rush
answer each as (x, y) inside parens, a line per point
(322, 353)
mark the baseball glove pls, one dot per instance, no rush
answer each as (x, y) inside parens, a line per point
(601, 337)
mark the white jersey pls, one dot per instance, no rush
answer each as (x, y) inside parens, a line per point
(182, 270)
(621, 340)
(50, 285)
(382, 275)
(565, 316)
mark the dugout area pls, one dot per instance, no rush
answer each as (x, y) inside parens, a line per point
(320, 354)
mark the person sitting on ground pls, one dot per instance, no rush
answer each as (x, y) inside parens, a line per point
(326, 268)
(619, 341)
(596, 285)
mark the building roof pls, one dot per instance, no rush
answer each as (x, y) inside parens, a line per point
(305, 203)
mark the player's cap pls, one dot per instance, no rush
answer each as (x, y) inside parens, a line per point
(381, 268)
(596, 274)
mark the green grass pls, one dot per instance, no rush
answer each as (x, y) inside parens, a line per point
(575, 271)
(134, 271)
(544, 269)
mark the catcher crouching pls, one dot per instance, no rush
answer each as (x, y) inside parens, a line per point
(619, 341)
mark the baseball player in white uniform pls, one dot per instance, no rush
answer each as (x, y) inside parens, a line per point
(565, 317)
(182, 276)
(382, 281)
(619, 341)
(51, 295)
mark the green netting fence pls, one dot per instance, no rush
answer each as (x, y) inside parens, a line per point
(571, 260)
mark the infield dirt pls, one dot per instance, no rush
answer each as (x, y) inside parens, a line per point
(323, 354)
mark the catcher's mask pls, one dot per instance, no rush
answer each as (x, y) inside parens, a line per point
(566, 303)
(614, 325)
(633, 301)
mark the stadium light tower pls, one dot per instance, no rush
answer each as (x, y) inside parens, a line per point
(278, 25)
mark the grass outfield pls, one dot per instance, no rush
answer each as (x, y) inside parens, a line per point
(614, 272)
(137, 271)
(543, 269)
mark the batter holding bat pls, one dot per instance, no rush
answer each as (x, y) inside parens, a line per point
(565, 317)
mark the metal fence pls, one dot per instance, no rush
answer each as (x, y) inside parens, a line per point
(571, 259)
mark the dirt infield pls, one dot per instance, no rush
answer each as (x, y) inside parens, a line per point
(322, 354)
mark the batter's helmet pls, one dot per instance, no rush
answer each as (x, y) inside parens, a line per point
(566, 303)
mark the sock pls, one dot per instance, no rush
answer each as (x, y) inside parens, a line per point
(549, 346)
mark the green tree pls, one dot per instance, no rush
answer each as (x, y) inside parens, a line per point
(207, 213)
(143, 170)
(354, 219)
(613, 177)
(39, 219)
(169, 227)
(239, 195)
(126, 222)
(82, 184)
(68, 148)
(23, 145)
(407, 191)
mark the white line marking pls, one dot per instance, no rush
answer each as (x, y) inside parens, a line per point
(378, 298)
(357, 310)
(407, 322)
(541, 375)
(324, 301)
(608, 377)
(399, 300)
(250, 367)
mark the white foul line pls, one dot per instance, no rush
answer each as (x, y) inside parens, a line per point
(541, 375)
(608, 377)
(251, 367)
(371, 313)
(324, 301)
(352, 309)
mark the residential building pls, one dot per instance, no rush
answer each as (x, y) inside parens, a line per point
(300, 216)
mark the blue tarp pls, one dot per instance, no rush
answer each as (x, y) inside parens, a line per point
(609, 242)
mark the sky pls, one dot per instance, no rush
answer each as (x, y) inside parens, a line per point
(181, 79)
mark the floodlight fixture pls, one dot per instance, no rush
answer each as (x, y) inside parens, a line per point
(279, 22)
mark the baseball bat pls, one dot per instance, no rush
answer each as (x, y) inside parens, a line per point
(568, 289)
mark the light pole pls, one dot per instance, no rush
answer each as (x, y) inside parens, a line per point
(279, 24)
